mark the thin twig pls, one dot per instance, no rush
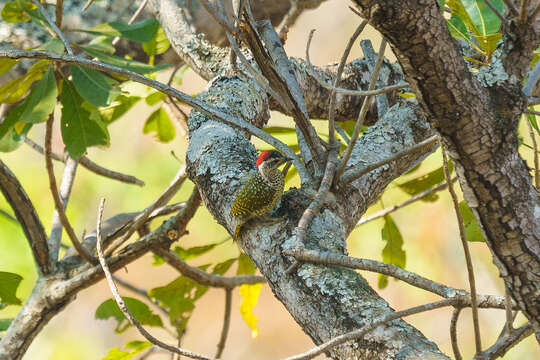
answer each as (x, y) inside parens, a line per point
(468, 261)
(132, 19)
(337, 79)
(534, 15)
(203, 277)
(58, 201)
(535, 154)
(53, 26)
(314, 207)
(358, 172)
(219, 18)
(453, 333)
(356, 334)
(342, 133)
(497, 12)
(349, 92)
(226, 323)
(506, 342)
(407, 202)
(524, 11)
(141, 219)
(508, 311)
(194, 102)
(122, 305)
(90, 165)
(331, 258)
(59, 12)
(510, 5)
(363, 112)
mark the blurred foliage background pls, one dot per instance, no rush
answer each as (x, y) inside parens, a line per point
(429, 231)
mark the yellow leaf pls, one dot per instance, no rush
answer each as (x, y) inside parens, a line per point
(250, 296)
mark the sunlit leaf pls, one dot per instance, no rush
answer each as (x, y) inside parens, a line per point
(155, 97)
(142, 31)
(132, 65)
(137, 346)
(222, 267)
(6, 64)
(193, 252)
(103, 44)
(158, 45)
(53, 45)
(9, 282)
(142, 313)
(250, 296)
(160, 123)
(79, 129)
(534, 123)
(393, 252)
(17, 11)
(4, 324)
(119, 107)
(179, 296)
(94, 86)
(16, 88)
(423, 183)
(41, 100)
(245, 265)
(472, 229)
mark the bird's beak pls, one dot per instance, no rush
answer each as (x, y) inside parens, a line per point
(284, 160)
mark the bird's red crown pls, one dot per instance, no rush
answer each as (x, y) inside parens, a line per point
(263, 156)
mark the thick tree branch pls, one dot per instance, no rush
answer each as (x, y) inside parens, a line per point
(26, 215)
(477, 116)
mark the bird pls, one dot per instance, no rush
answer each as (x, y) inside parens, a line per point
(262, 191)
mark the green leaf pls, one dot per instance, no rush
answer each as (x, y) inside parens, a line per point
(6, 64)
(93, 86)
(9, 282)
(245, 265)
(141, 312)
(41, 100)
(17, 11)
(155, 97)
(103, 44)
(119, 107)
(15, 89)
(160, 123)
(158, 260)
(532, 120)
(485, 20)
(79, 129)
(53, 45)
(423, 183)
(132, 65)
(12, 140)
(142, 31)
(250, 296)
(137, 346)
(179, 296)
(222, 267)
(4, 324)
(393, 252)
(472, 229)
(193, 252)
(158, 45)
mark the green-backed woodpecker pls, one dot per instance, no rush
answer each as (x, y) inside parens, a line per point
(262, 190)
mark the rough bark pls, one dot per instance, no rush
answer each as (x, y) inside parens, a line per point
(477, 117)
(325, 301)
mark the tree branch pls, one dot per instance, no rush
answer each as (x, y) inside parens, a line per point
(27, 216)
(203, 277)
(226, 323)
(122, 305)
